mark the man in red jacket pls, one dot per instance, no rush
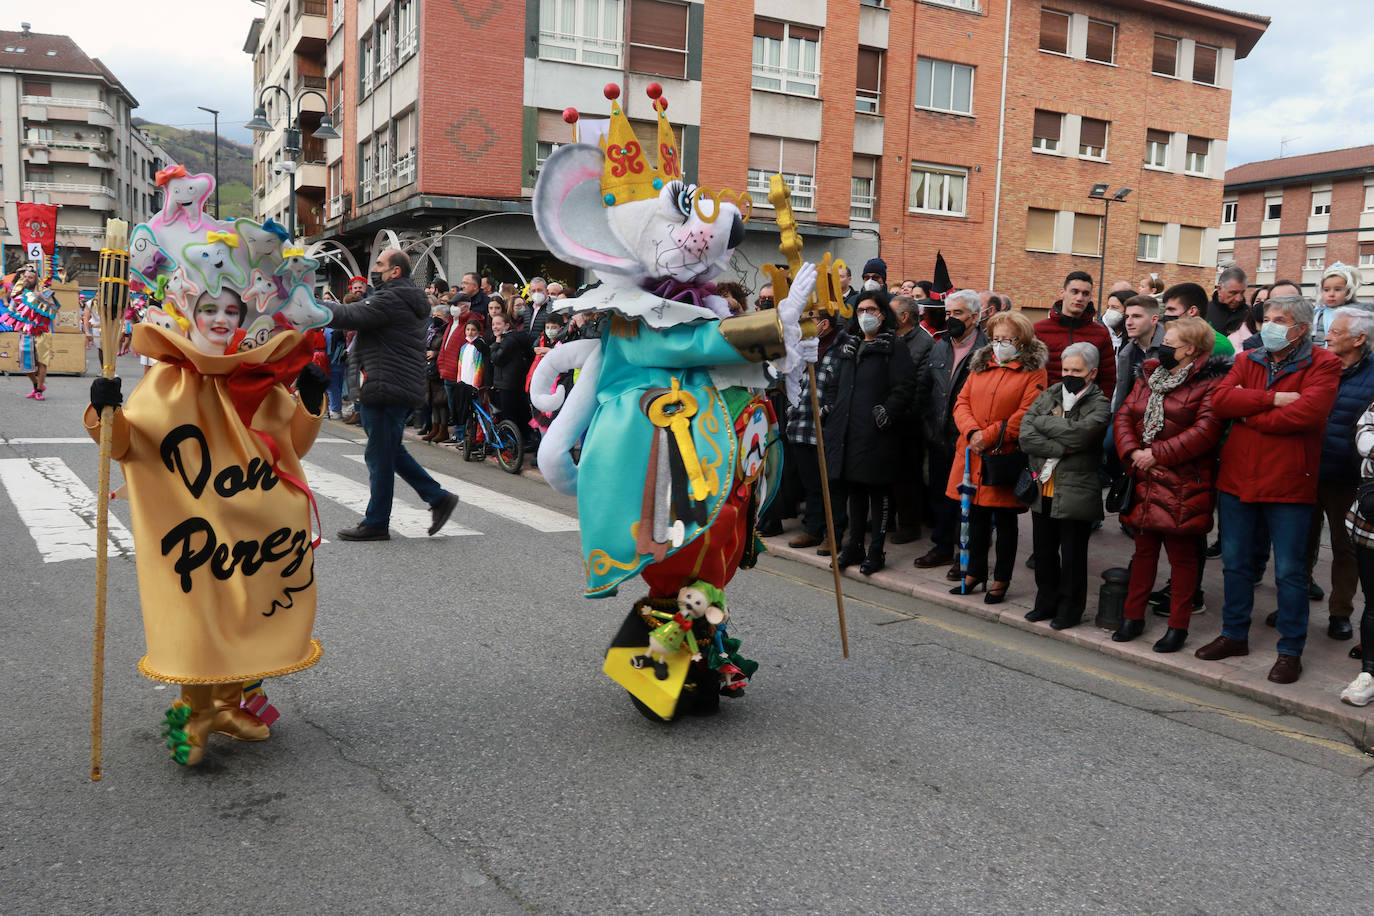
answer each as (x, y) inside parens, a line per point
(1071, 321)
(1279, 395)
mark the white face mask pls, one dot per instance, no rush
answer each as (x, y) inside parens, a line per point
(455, 310)
(539, 298)
(868, 322)
(1113, 319)
(872, 285)
(1005, 352)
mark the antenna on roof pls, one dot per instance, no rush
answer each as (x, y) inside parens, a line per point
(24, 26)
(1283, 144)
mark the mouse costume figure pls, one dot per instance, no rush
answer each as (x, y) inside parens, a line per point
(665, 490)
(210, 445)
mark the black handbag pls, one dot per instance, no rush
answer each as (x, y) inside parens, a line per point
(1003, 469)
(1364, 500)
(1121, 494)
(1027, 488)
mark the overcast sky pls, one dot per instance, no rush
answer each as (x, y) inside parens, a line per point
(1310, 79)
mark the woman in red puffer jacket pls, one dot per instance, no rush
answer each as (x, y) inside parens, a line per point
(1167, 437)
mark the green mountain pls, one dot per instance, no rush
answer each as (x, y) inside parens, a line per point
(195, 149)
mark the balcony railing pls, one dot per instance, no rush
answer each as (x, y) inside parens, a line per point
(581, 49)
(60, 187)
(383, 179)
(369, 81)
(312, 151)
(312, 8)
(93, 146)
(365, 190)
(313, 82)
(407, 45)
(337, 18)
(404, 170)
(335, 207)
(94, 232)
(55, 102)
(860, 205)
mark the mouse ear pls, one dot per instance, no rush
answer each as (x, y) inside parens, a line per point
(571, 216)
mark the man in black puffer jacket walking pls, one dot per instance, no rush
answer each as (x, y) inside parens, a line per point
(390, 354)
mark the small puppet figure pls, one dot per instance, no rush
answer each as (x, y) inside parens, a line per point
(210, 444)
(694, 602)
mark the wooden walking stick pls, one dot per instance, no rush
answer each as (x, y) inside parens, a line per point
(825, 298)
(112, 297)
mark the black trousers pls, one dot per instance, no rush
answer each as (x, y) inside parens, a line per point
(1061, 562)
(870, 509)
(808, 467)
(909, 493)
(1364, 561)
(945, 510)
(790, 487)
(514, 404)
(981, 519)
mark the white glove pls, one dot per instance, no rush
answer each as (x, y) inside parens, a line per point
(793, 388)
(789, 312)
(810, 348)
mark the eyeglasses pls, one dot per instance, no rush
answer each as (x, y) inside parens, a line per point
(1006, 340)
(869, 309)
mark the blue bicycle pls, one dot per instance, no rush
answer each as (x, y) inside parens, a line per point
(483, 432)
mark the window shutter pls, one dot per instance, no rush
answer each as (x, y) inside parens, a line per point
(1086, 230)
(804, 32)
(1166, 55)
(1101, 41)
(865, 167)
(763, 153)
(1189, 245)
(767, 28)
(1093, 133)
(1054, 31)
(870, 69)
(798, 157)
(1199, 145)
(658, 37)
(1047, 124)
(551, 128)
(1205, 64)
(1040, 230)
(1158, 136)
(1151, 228)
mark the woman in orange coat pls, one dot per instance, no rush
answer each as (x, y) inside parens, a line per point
(1005, 378)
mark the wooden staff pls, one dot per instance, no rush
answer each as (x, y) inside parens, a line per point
(825, 299)
(112, 297)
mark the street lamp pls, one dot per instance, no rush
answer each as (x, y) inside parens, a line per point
(291, 137)
(1099, 192)
(215, 112)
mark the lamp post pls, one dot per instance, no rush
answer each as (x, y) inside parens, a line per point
(215, 112)
(291, 137)
(1099, 192)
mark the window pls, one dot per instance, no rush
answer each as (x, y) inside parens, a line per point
(383, 48)
(1367, 254)
(1087, 231)
(1149, 241)
(937, 189)
(582, 31)
(1047, 127)
(957, 4)
(861, 188)
(868, 89)
(1040, 229)
(944, 86)
(366, 75)
(407, 36)
(1369, 197)
(1269, 259)
(403, 142)
(1092, 139)
(543, 149)
(1205, 64)
(1321, 203)
(795, 160)
(786, 57)
(38, 87)
(1189, 245)
(1054, 31)
(1316, 258)
(1228, 211)
(1166, 56)
(658, 38)
(1101, 41)
(1198, 148)
(1157, 148)
(1273, 208)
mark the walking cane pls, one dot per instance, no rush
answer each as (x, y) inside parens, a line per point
(825, 299)
(112, 296)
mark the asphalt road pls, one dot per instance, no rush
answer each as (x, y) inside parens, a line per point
(457, 750)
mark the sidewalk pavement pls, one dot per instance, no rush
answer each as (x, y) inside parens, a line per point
(1327, 667)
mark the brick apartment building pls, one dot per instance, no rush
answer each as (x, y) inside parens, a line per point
(66, 138)
(1290, 218)
(973, 127)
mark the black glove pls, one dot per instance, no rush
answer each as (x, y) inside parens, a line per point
(311, 386)
(105, 393)
(880, 416)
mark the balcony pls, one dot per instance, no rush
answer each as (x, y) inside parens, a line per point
(335, 208)
(308, 81)
(580, 49)
(404, 170)
(310, 26)
(312, 151)
(91, 196)
(365, 190)
(311, 176)
(408, 44)
(39, 108)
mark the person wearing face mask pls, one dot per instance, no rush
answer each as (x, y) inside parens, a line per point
(1167, 434)
(865, 398)
(874, 275)
(1062, 434)
(555, 335)
(1183, 300)
(434, 425)
(1005, 378)
(538, 305)
(909, 494)
(937, 387)
(801, 435)
(1114, 318)
(1280, 397)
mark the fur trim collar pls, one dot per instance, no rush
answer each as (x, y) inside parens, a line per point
(1216, 366)
(880, 345)
(1035, 358)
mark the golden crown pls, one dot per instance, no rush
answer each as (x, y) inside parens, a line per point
(628, 174)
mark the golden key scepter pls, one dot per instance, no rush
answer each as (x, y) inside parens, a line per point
(826, 298)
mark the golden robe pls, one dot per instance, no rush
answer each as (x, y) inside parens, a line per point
(226, 567)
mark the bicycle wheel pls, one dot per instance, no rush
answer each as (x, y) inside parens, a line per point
(470, 437)
(510, 446)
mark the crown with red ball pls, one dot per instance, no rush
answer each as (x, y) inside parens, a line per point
(629, 174)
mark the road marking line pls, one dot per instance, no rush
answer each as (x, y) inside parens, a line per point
(406, 520)
(1337, 746)
(531, 515)
(58, 509)
(87, 440)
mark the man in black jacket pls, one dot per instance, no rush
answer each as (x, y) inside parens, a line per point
(390, 353)
(909, 493)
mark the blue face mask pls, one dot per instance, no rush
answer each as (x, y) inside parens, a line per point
(1274, 336)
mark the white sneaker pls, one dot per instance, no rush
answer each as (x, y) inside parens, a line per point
(336, 415)
(1360, 691)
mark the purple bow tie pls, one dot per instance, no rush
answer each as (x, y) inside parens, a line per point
(676, 291)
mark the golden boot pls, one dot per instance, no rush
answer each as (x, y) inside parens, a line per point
(231, 719)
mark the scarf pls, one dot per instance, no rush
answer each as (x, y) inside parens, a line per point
(1161, 382)
(677, 291)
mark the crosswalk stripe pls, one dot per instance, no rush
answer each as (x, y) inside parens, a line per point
(406, 521)
(87, 440)
(58, 509)
(531, 515)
